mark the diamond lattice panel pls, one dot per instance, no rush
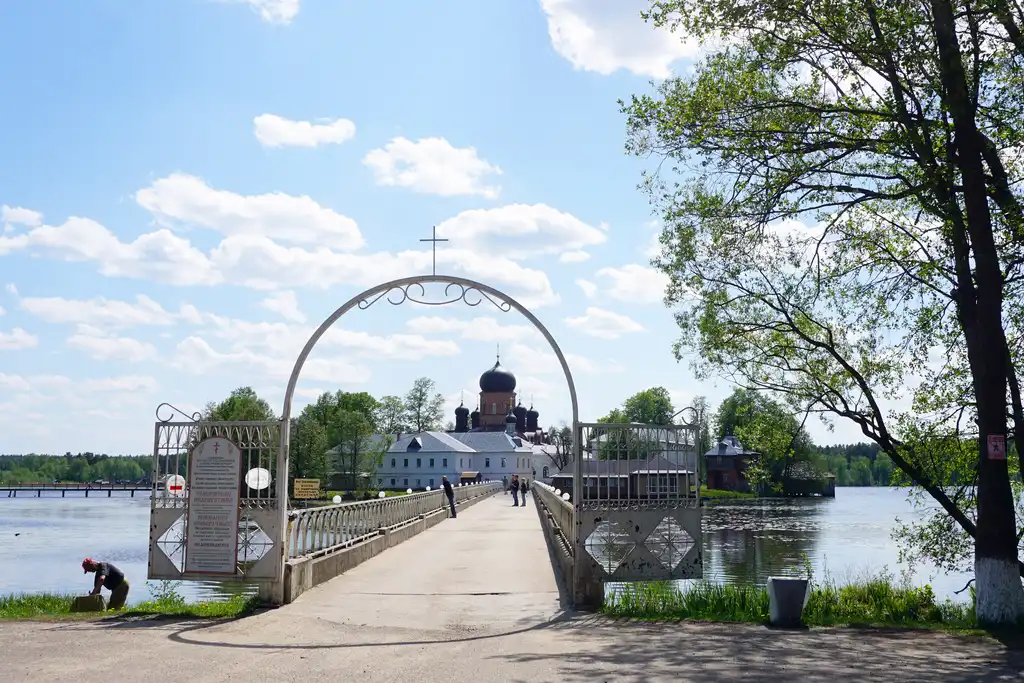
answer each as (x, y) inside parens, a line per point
(669, 542)
(609, 545)
(172, 543)
(253, 543)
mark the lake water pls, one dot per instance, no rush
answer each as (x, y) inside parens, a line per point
(847, 537)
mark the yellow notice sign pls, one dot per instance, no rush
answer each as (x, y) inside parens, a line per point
(306, 488)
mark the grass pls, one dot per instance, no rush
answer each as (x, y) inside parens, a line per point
(877, 602)
(722, 494)
(167, 603)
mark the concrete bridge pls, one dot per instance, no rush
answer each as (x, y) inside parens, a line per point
(476, 599)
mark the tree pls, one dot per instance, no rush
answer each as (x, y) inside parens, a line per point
(702, 415)
(560, 450)
(242, 405)
(615, 416)
(359, 402)
(309, 445)
(356, 448)
(891, 126)
(650, 406)
(391, 416)
(424, 409)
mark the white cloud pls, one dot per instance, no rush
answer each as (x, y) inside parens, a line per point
(160, 256)
(598, 322)
(588, 287)
(101, 311)
(541, 359)
(15, 215)
(574, 257)
(432, 166)
(182, 199)
(11, 289)
(520, 231)
(635, 283)
(17, 340)
(102, 345)
(478, 329)
(195, 356)
(275, 131)
(285, 304)
(272, 11)
(2, 311)
(607, 35)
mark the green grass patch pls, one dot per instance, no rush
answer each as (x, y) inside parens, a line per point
(722, 494)
(875, 602)
(167, 603)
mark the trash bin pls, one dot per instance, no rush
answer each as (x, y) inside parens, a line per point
(786, 601)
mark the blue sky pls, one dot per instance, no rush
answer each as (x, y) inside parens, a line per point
(188, 188)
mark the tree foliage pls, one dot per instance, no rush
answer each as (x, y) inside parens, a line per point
(391, 415)
(424, 409)
(242, 405)
(845, 215)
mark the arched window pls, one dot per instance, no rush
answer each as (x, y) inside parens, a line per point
(545, 471)
(494, 409)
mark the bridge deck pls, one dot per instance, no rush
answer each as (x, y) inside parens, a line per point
(474, 600)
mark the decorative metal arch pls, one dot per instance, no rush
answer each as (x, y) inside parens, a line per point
(397, 292)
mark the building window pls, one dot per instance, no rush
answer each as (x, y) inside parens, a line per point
(431, 462)
(430, 482)
(392, 462)
(487, 462)
(460, 462)
(444, 462)
(494, 409)
(406, 482)
(380, 482)
(406, 464)
(545, 472)
(419, 483)
(666, 483)
(392, 482)
(503, 462)
(419, 462)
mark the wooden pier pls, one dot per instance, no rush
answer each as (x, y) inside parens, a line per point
(12, 490)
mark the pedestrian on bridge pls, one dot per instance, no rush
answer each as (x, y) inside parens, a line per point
(522, 490)
(110, 577)
(514, 488)
(449, 492)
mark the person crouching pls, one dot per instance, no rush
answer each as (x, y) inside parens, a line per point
(110, 577)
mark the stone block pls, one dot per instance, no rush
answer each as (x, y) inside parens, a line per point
(786, 601)
(89, 603)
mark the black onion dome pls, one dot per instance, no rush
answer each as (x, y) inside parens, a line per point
(510, 419)
(532, 413)
(476, 411)
(462, 410)
(497, 380)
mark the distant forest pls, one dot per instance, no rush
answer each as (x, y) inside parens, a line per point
(77, 468)
(858, 464)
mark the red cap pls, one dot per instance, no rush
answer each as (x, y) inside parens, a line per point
(86, 563)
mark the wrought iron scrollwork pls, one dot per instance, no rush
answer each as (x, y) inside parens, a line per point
(165, 412)
(454, 292)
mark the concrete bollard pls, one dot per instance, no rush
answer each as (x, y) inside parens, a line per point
(786, 601)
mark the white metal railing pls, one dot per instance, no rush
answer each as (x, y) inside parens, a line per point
(561, 510)
(321, 530)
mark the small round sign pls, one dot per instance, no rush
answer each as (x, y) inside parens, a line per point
(257, 478)
(175, 485)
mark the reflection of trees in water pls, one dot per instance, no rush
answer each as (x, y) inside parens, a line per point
(217, 591)
(748, 542)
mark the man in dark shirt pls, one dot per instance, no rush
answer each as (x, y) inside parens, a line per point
(110, 577)
(449, 492)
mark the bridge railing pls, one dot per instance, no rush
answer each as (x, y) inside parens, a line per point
(558, 520)
(75, 486)
(319, 531)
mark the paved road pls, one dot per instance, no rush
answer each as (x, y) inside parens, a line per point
(474, 599)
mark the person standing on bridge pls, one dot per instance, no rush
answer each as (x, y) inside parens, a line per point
(449, 493)
(110, 577)
(522, 490)
(514, 488)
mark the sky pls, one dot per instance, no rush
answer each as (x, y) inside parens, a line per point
(188, 188)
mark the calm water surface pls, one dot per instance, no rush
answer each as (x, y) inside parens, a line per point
(847, 537)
